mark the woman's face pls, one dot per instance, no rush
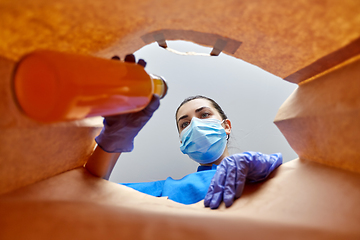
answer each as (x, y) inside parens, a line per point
(199, 108)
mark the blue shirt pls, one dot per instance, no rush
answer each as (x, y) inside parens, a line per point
(188, 190)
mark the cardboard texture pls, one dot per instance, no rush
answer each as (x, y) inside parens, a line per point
(280, 36)
(300, 200)
(46, 194)
(320, 119)
(31, 151)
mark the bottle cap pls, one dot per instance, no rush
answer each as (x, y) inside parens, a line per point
(164, 84)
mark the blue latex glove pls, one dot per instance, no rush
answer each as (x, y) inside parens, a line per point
(229, 180)
(119, 131)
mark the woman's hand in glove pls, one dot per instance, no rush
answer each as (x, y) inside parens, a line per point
(119, 131)
(229, 180)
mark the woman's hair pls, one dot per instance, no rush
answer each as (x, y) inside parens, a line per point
(215, 105)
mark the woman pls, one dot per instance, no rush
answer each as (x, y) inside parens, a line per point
(204, 131)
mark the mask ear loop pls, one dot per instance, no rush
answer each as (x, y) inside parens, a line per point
(227, 136)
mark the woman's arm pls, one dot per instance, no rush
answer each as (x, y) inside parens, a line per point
(116, 137)
(101, 163)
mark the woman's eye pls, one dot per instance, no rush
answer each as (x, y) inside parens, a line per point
(205, 115)
(184, 125)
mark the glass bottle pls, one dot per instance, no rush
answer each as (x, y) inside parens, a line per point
(54, 86)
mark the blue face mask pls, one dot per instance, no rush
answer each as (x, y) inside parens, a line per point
(204, 140)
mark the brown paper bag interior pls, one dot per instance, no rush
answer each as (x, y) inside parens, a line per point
(46, 193)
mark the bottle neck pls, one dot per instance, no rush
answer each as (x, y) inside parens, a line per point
(160, 86)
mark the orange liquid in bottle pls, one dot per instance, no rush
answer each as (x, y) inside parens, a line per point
(53, 86)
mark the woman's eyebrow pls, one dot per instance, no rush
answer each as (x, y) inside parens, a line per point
(185, 116)
(196, 111)
(200, 109)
